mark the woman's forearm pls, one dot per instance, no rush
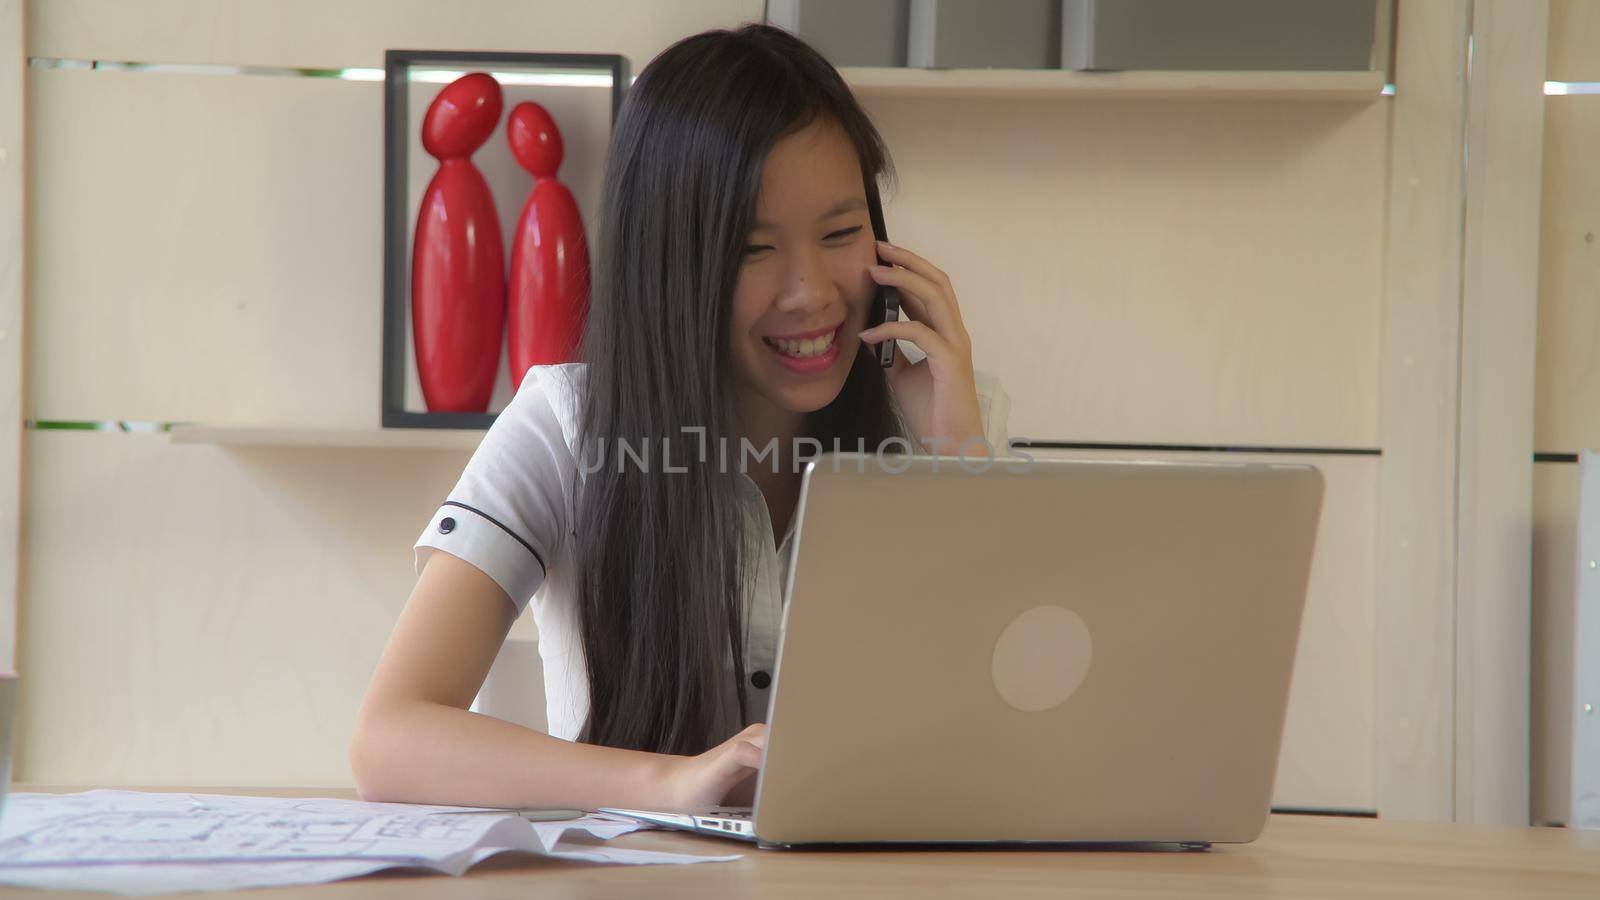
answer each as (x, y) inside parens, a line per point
(421, 752)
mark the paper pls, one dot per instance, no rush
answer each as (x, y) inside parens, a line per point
(137, 843)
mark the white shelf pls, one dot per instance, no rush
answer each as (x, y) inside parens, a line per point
(374, 438)
(1131, 85)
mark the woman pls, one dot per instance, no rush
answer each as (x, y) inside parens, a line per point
(735, 272)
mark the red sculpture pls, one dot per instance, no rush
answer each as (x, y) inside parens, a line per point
(458, 284)
(549, 256)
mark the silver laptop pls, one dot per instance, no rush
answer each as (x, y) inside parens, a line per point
(1043, 651)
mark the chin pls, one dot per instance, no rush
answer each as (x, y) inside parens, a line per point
(806, 397)
(812, 397)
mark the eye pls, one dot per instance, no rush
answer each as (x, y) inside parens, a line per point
(753, 249)
(843, 233)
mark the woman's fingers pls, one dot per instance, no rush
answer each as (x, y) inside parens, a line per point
(706, 778)
(927, 300)
(933, 274)
(900, 256)
(928, 340)
(747, 745)
(921, 297)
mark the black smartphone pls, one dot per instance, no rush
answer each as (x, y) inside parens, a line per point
(886, 304)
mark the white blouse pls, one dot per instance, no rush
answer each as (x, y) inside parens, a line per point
(513, 515)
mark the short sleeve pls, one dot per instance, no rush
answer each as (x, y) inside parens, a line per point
(509, 510)
(994, 404)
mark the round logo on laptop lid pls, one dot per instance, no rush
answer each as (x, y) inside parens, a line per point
(1042, 658)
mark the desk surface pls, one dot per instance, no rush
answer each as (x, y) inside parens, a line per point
(1297, 856)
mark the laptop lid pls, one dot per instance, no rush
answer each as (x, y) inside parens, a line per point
(1045, 650)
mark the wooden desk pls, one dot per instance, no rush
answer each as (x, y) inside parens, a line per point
(1298, 856)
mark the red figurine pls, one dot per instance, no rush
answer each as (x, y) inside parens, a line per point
(458, 284)
(549, 256)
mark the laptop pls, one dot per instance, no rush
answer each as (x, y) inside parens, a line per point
(1036, 651)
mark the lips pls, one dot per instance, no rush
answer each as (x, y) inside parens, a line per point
(805, 345)
(807, 352)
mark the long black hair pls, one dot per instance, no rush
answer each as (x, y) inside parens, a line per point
(663, 564)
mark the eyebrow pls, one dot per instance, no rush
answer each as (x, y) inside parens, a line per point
(843, 206)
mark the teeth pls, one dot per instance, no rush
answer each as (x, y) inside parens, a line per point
(804, 348)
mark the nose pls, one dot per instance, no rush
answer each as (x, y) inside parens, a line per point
(807, 286)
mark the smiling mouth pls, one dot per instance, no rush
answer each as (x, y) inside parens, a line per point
(807, 348)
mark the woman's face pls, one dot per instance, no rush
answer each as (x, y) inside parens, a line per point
(804, 289)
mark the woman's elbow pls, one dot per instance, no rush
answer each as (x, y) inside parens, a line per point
(367, 763)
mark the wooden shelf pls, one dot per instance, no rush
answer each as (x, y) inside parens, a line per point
(373, 438)
(1132, 85)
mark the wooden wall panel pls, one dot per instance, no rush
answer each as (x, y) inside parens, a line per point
(1329, 740)
(1568, 400)
(1574, 39)
(205, 248)
(1421, 340)
(1494, 457)
(11, 310)
(1157, 271)
(1238, 350)
(354, 33)
(194, 224)
(1555, 516)
(208, 615)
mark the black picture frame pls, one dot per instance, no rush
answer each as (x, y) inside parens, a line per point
(396, 254)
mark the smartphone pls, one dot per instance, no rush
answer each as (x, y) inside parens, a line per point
(886, 304)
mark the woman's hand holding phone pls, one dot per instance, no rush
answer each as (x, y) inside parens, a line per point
(939, 395)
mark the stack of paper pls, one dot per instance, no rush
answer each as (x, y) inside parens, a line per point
(138, 843)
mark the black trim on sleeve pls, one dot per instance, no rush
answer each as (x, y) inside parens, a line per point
(543, 569)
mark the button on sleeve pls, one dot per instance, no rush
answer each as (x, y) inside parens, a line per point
(508, 511)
